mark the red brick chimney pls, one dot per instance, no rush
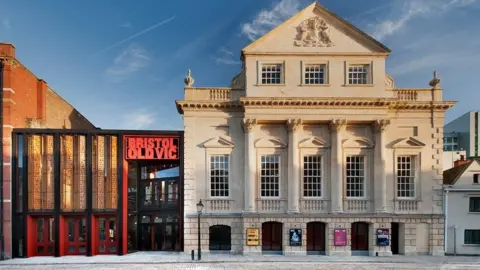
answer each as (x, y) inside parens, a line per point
(459, 162)
(7, 49)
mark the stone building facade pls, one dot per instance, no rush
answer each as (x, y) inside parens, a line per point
(313, 147)
(28, 102)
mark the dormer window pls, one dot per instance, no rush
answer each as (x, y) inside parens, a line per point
(358, 74)
(272, 74)
(475, 178)
(315, 74)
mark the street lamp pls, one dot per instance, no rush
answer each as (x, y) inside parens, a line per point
(199, 211)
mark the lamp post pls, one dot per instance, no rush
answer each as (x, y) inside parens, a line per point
(199, 211)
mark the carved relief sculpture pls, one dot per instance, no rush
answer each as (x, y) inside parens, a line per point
(313, 32)
(249, 124)
(337, 125)
(294, 124)
(382, 124)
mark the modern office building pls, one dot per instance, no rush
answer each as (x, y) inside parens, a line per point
(462, 134)
(312, 149)
(88, 192)
(27, 102)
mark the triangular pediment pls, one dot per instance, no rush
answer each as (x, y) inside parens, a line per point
(313, 142)
(315, 29)
(357, 143)
(409, 142)
(219, 142)
(270, 143)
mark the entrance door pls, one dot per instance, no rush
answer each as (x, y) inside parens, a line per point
(316, 238)
(107, 235)
(158, 233)
(359, 238)
(272, 240)
(220, 237)
(45, 233)
(76, 235)
(395, 236)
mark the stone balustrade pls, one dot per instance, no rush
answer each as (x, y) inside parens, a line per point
(314, 206)
(357, 206)
(213, 94)
(415, 94)
(219, 206)
(272, 205)
(407, 206)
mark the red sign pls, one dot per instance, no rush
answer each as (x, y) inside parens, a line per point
(340, 237)
(152, 147)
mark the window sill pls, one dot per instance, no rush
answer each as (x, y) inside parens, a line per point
(315, 85)
(407, 199)
(313, 199)
(474, 213)
(471, 245)
(359, 85)
(280, 84)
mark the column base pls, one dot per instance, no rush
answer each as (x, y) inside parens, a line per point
(293, 212)
(249, 211)
(337, 211)
(381, 211)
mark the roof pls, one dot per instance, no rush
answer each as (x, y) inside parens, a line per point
(451, 176)
(317, 5)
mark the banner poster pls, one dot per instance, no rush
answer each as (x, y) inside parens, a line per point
(383, 237)
(253, 237)
(295, 237)
(340, 237)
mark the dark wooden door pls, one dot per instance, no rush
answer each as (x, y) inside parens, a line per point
(220, 237)
(107, 235)
(394, 243)
(316, 236)
(76, 235)
(359, 236)
(45, 242)
(272, 239)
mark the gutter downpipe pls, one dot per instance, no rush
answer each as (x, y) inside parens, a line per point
(446, 220)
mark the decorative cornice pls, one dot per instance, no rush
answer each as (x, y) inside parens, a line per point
(249, 124)
(316, 102)
(207, 105)
(338, 125)
(294, 124)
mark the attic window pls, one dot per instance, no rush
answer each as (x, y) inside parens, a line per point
(272, 74)
(315, 74)
(359, 74)
(475, 178)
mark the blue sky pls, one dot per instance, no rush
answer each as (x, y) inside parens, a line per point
(122, 64)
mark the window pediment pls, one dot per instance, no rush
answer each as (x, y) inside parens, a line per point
(313, 142)
(409, 142)
(270, 143)
(219, 142)
(357, 143)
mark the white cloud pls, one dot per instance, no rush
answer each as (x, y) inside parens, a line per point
(129, 61)
(226, 57)
(266, 20)
(6, 24)
(140, 119)
(414, 9)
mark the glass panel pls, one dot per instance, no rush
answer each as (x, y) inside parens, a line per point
(82, 230)
(112, 229)
(113, 248)
(71, 249)
(71, 230)
(40, 172)
(73, 172)
(101, 248)
(132, 233)
(40, 249)
(82, 249)
(51, 229)
(40, 230)
(101, 229)
(51, 249)
(104, 172)
(132, 185)
(19, 173)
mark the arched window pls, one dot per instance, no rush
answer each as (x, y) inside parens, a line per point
(220, 237)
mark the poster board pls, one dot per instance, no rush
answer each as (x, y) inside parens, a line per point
(295, 237)
(340, 237)
(383, 237)
(253, 237)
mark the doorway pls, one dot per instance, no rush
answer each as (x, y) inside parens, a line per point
(359, 239)
(272, 240)
(76, 235)
(106, 235)
(395, 243)
(45, 236)
(220, 238)
(158, 233)
(316, 238)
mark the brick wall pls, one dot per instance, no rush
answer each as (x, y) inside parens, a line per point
(28, 102)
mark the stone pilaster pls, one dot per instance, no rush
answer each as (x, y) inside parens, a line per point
(248, 126)
(337, 126)
(381, 126)
(293, 166)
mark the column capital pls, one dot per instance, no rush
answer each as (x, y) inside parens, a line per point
(294, 124)
(381, 125)
(249, 124)
(337, 125)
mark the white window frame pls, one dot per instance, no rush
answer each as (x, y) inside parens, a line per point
(325, 172)
(215, 152)
(282, 167)
(367, 154)
(304, 64)
(417, 184)
(270, 62)
(355, 63)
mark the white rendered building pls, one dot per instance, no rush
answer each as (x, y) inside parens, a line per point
(313, 150)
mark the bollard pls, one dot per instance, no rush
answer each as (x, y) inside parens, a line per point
(193, 255)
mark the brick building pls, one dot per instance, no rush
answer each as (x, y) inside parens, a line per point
(28, 102)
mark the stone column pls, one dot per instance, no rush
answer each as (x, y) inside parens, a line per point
(250, 157)
(293, 166)
(337, 126)
(381, 126)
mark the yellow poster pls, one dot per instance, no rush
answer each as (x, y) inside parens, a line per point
(253, 237)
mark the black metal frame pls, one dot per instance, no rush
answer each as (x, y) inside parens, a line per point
(89, 211)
